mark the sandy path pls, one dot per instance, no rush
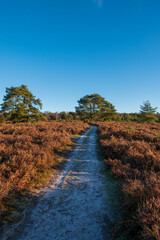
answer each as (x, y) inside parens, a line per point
(79, 205)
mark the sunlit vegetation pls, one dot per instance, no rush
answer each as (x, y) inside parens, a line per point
(20, 105)
(132, 151)
(28, 154)
(95, 108)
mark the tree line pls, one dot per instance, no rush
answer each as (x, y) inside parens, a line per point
(20, 105)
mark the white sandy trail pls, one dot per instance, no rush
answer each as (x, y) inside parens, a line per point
(79, 205)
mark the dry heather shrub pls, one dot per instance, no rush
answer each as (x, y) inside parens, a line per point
(27, 151)
(132, 151)
(148, 216)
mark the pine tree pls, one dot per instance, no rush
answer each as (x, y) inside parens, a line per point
(94, 107)
(147, 112)
(20, 105)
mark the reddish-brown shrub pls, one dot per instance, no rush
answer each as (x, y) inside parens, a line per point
(27, 150)
(132, 150)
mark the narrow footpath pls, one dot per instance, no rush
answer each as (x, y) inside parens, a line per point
(80, 204)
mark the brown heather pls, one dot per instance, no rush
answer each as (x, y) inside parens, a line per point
(27, 151)
(132, 150)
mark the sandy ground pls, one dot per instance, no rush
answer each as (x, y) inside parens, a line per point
(81, 204)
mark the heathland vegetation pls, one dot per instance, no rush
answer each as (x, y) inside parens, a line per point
(28, 154)
(30, 143)
(132, 151)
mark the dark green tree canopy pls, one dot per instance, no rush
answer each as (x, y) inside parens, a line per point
(95, 107)
(20, 105)
(147, 112)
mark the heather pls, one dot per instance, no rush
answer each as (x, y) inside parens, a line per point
(28, 153)
(132, 151)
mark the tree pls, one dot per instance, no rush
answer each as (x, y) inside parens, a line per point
(147, 112)
(49, 116)
(2, 119)
(63, 115)
(73, 116)
(94, 107)
(20, 105)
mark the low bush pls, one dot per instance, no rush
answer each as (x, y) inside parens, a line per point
(132, 150)
(28, 152)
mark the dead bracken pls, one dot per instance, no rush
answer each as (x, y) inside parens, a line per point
(132, 150)
(28, 152)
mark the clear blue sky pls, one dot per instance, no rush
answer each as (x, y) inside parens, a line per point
(65, 49)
